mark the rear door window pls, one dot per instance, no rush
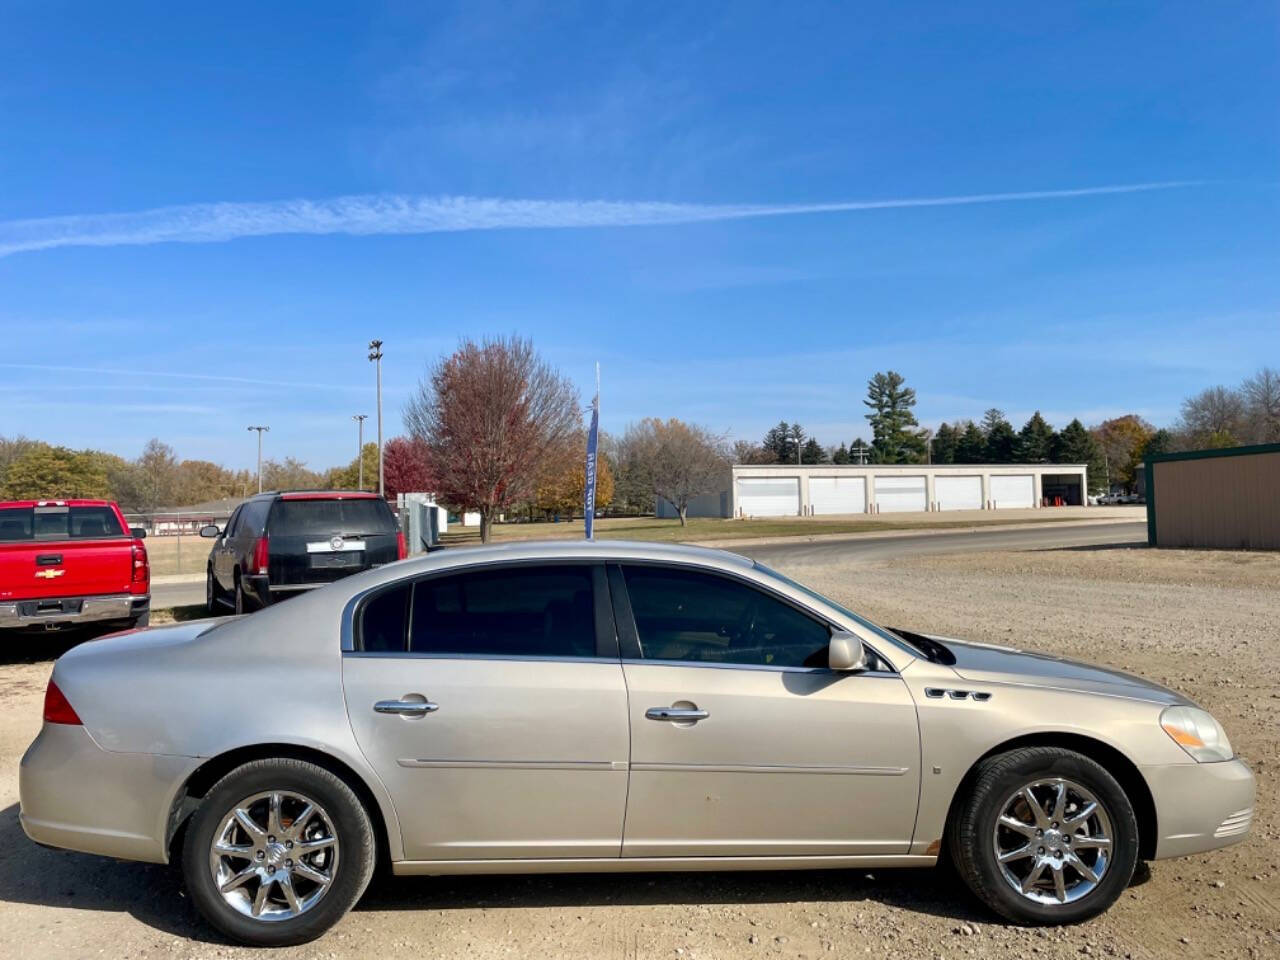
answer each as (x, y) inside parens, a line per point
(515, 611)
(58, 523)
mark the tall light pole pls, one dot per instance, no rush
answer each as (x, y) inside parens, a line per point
(261, 431)
(375, 355)
(360, 418)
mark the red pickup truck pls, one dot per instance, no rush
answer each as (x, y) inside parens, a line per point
(66, 563)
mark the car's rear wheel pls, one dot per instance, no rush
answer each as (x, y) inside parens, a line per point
(211, 593)
(240, 605)
(278, 852)
(1045, 836)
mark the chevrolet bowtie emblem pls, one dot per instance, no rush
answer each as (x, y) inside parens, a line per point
(49, 574)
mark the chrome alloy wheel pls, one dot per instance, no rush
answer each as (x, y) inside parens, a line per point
(274, 855)
(1053, 841)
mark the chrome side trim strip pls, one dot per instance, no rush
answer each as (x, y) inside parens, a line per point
(754, 768)
(519, 658)
(649, 864)
(516, 764)
(764, 667)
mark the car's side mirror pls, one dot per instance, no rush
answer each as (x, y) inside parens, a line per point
(209, 530)
(846, 653)
(138, 533)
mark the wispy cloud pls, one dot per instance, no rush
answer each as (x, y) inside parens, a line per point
(391, 214)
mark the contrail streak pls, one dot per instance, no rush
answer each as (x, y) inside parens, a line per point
(367, 215)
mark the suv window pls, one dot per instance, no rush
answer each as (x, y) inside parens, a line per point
(58, 523)
(327, 517)
(705, 618)
(253, 517)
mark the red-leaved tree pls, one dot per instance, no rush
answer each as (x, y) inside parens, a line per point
(406, 466)
(491, 416)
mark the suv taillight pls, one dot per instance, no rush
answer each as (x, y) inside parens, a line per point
(261, 554)
(141, 566)
(401, 550)
(57, 709)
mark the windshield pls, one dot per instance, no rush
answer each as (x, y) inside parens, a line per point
(861, 621)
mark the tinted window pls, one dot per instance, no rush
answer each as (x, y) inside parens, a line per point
(383, 622)
(253, 517)
(705, 618)
(544, 612)
(58, 523)
(328, 517)
(234, 523)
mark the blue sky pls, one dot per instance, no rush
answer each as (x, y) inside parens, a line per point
(205, 212)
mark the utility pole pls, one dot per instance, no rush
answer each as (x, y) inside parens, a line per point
(260, 430)
(375, 355)
(360, 418)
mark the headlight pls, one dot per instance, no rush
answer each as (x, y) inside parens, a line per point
(1197, 733)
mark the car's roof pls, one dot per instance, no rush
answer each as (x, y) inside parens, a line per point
(622, 549)
(316, 495)
(62, 502)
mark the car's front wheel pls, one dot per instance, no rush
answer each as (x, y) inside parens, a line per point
(1045, 836)
(278, 852)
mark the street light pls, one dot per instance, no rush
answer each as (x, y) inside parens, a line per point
(260, 430)
(360, 418)
(375, 356)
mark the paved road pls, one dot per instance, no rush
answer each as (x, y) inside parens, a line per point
(182, 594)
(941, 541)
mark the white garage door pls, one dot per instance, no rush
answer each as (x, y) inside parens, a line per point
(1018, 491)
(838, 494)
(900, 494)
(958, 493)
(769, 496)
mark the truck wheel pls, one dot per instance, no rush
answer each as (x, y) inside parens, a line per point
(239, 597)
(211, 600)
(142, 621)
(278, 852)
(1045, 836)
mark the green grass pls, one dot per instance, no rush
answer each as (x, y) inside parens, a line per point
(700, 529)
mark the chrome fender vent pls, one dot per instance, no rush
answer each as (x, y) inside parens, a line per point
(938, 693)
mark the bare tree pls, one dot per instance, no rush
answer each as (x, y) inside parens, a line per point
(491, 415)
(1213, 418)
(678, 460)
(1261, 394)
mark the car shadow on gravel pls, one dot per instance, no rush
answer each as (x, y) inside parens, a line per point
(151, 893)
(20, 647)
(937, 892)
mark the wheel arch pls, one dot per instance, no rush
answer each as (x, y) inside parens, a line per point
(202, 779)
(1112, 760)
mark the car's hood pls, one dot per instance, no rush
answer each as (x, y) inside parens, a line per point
(999, 664)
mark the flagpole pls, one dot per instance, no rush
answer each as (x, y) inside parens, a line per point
(589, 486)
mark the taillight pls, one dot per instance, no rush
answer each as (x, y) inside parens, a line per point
(261, 554)
(57, 709)
(141, 566)
(401, 550)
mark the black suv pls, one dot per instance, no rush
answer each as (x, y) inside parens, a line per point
(278, 544)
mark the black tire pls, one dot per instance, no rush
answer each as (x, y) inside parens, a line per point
(211, 600)
(351, 826)
(972, 843)
(142, 621)
(240, 601)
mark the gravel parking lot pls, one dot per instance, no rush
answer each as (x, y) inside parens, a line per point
(1205, 623)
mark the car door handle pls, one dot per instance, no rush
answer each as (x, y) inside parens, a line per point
(406, 708)
(677, 714)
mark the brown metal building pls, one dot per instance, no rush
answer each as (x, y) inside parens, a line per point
(1218, 499)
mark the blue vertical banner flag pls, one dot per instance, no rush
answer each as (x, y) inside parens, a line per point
(593, 440)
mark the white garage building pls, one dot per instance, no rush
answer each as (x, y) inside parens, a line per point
(779, 490)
